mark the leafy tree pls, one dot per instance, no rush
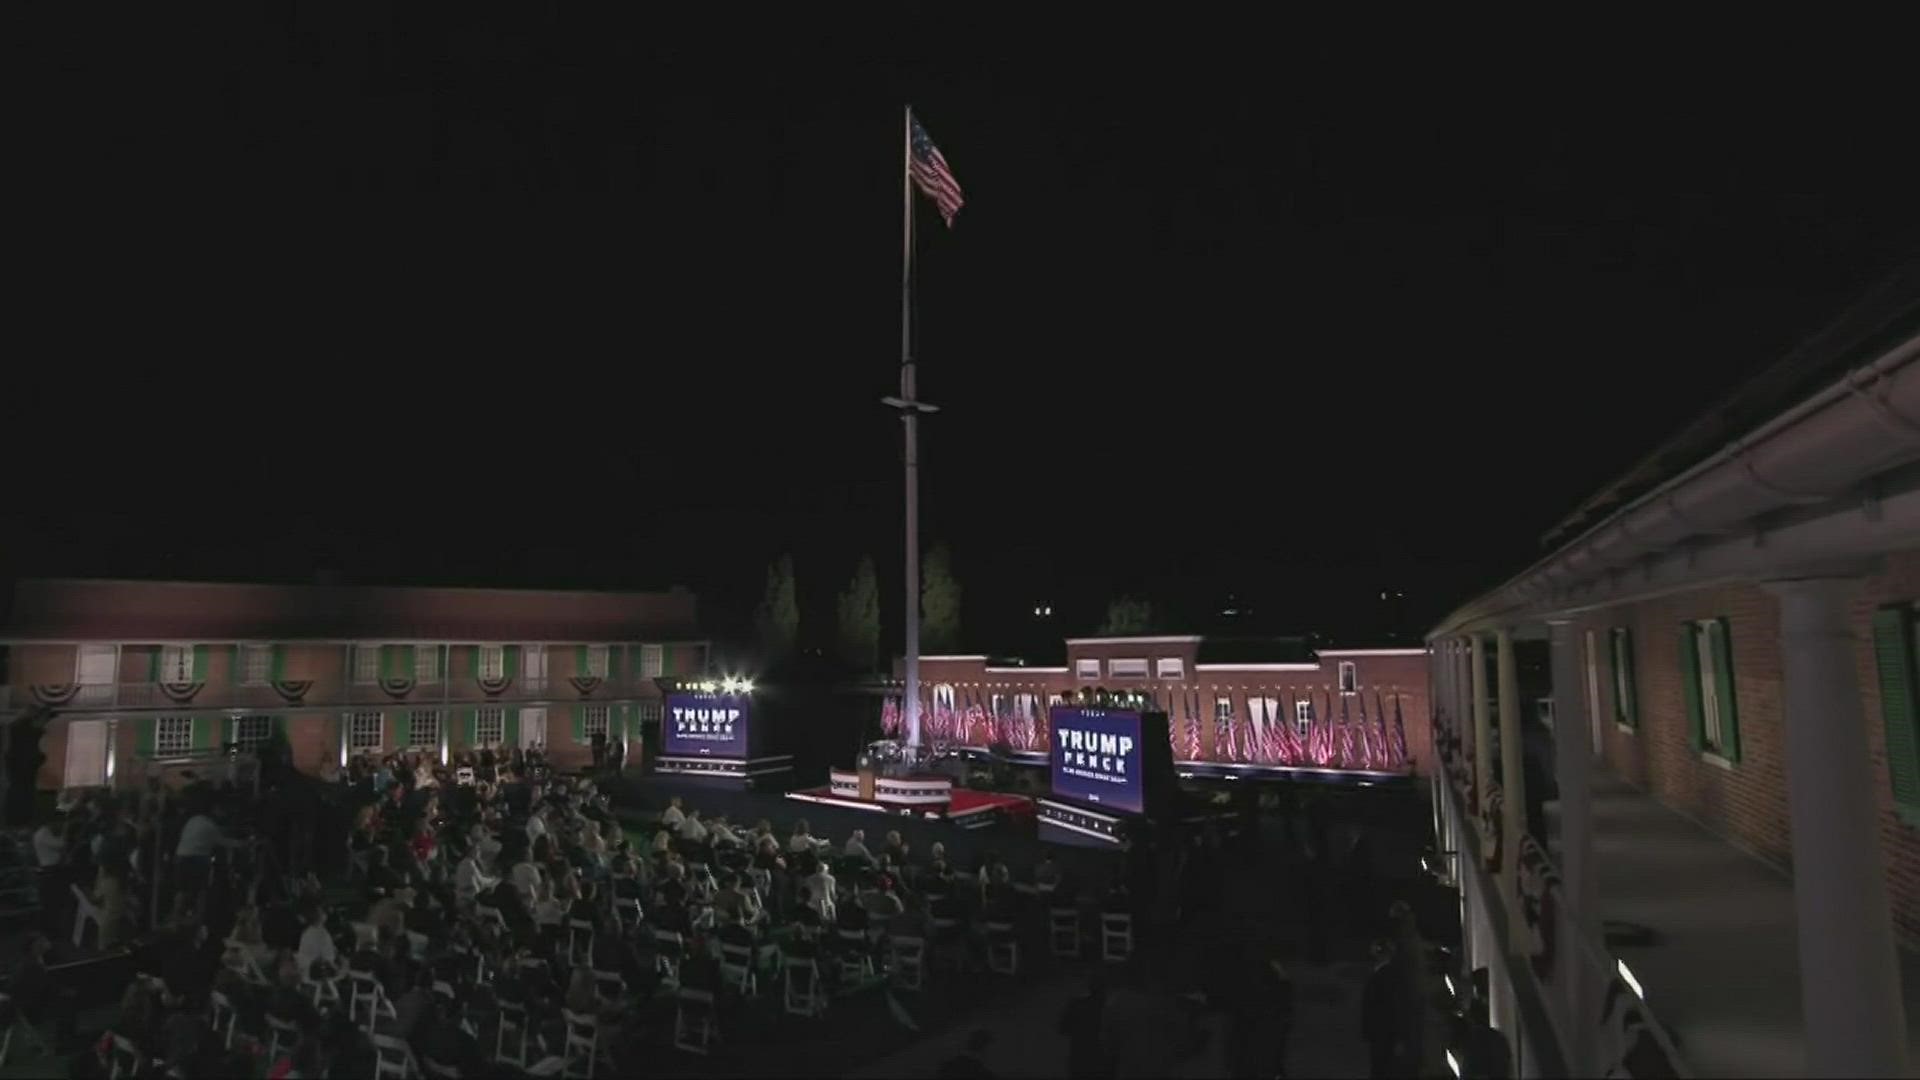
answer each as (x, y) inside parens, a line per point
(939, 603)
(860, 618)
(777, 620)
(1128, 615)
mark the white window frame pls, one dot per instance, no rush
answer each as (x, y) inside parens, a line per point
(1135, 667)
(250, 656)
(1349, 677)
(1170, 667)
(491, 662)
(653, 661)
(649, 712)
(176, 664)
(172, 736)
(943, 696)
(1056, 699)
(1087, 667)
(533, 661)
(358, 724)
(435, 718)
(1713, 735)
(489, 726)
(237, 726)
(1593, 690)
(366, 665)
(998, 705)
(95, 652)
(1222, 709)
(597, 659)
(1302, 717)
(426, 663)
(591, 713)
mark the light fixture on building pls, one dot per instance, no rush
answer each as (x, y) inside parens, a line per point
(1626, 976)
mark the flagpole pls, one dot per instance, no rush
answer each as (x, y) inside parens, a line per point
(910, 413)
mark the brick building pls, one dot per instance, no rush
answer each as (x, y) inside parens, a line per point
(1229, 701)
(1730, 872)
(142, 673)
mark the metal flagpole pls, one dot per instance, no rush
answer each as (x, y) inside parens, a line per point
(910, 415)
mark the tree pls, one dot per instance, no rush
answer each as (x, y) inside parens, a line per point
(939, 603)
(860, 618)
(777, 620)
(1128, 615)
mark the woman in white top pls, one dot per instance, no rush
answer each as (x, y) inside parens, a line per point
(802, 838)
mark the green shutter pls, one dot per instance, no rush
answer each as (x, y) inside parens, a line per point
(277, 667)
(614, 655)
(473, 662)
(510, 661)
(510, 729)
(278, 726)
(208, 731)
(1893, 649)
(1625, 689)
(666, 661)
(1690, 679)
(579, 724)
(580, 660)
(386, 662)
(472, 727)
(1723, 674)
(402, 729)
(153, 665)
(234, 671)
(143, 730)
(200, 665)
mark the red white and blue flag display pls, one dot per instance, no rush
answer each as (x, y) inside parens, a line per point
(931, 174)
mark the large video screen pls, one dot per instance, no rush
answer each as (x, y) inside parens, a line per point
(704, 725)
(1096, 757)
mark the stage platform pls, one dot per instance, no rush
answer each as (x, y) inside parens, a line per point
(1221, 770)
(965, 807)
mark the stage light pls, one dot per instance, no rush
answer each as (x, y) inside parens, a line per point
(1453, 1063)
(1626, 976)
(746, 686)
(1451, 992)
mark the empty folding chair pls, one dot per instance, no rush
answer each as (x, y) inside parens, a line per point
(123, 1058)
(393, 1057)
(583, 1044)
(1003, 949)
(1116, 937)
(907, 962)
(84, 912)
(1063, 931)
(369, 995)
(696, 1023)
(282, 1035)
(805, 996)
(510, 1036)
(736, 970)
(223, 1016)
(579, 941)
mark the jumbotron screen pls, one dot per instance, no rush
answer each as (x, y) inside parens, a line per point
(1096, 757)
(704, 725)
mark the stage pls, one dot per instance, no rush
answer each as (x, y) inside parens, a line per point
(962, 806)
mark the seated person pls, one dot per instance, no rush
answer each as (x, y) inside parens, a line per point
(723, 835)
(895, 848)
(856, 847)
(318, 957)
(692, 830)
(674, 815)
(883, 903)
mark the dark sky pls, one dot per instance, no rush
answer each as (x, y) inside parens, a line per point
(480, 301)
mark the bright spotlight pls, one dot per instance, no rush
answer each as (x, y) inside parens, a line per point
(746, 686)
(1453, 1063)
(1633, 984)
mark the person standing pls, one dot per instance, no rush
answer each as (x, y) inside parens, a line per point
(1379, 1019)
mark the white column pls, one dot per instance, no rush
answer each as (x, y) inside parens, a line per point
(1482, 722)
(1849, 974)
(1572, 766)
(1513, 784)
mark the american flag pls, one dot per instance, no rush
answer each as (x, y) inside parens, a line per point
(931, 175)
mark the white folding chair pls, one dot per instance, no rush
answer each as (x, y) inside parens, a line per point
(85, 912)
(671, 949)
(907, 962)
(368, 994)
(393, 1057)
(124, 1058)
(513, 1018)
(1003, 949)
(1063, 931)
(736, 970)
(1116, 937)
(281, 1035)
(41, 1044)
(696, 1023)
(579, 941)
(438, 1071)
(805, 996)
(223, 1016)
(853, 961)
(583, 1044)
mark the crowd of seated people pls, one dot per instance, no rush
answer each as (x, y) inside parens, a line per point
(488, 891)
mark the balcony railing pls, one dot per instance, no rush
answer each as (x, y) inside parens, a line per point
(304, 694)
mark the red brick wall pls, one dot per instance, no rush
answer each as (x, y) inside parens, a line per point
(1748, 802)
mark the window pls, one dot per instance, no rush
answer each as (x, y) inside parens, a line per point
(943, 696)
(999, 704)
(593, 721)
(1593, 687)
(1222, 711)
(649, 712)
(366, 731)
(1302, 718)
(489, 727)
(651, 661)
(95, 666)
(1707, 667)
(1349, 677)
(423, 729)
(1023, 706)
(1086, 669)
(493, 663)
(1894, 645)
(1625, 702)
(426, 663)
(172, 736)
(1127, 669)
(366, 664)
(1170, 667)
(1055, 699)
(256, 665)
(533, 662)
(249, 732)
(176, 663)
(596, 662)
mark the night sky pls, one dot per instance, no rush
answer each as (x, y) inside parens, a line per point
(546, 304)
